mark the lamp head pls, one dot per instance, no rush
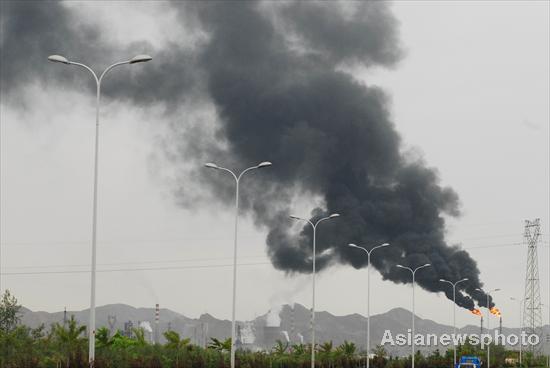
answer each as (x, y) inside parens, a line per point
(58, 59)
(334, 215)
(140, 59)
(264, 164)
(352, 245)
(295, 217)
(400, 266)
(211, 165)
(384, 245)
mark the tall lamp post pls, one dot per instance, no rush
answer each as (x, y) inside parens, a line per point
(488, 324)
(368, 291)
(237, 181)
(64, 60)
(413, 272)
(520, 301)
(314, 226)
(454, 311)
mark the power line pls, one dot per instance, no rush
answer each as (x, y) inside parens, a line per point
(178, 241)
(501, 245)
(132, 269)
(188, 260)
(137, 263)
(122, 241)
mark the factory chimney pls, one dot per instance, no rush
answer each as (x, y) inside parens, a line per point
(157, 332)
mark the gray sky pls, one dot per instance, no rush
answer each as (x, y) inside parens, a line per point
(470, 96)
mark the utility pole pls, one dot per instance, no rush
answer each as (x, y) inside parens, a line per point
(532, 315)
(481, 327)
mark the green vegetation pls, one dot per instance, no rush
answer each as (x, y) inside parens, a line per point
(67, 346)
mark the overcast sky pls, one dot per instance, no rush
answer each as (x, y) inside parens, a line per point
(469, 95)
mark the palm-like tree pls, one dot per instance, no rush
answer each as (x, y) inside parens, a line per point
(347, 349)
(222, 346)
(175, 342)
(380, 355)
(326, 347)
(299, 349)
(70, 340)
(139, 333)
(280, 348)
(102, 337)
(326, 352)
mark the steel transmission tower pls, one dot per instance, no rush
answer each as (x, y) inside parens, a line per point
(532, 310)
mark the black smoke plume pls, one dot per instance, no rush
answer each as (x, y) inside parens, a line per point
(278, 74)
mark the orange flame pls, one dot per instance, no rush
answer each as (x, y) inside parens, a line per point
(496, 311)
(475, 311)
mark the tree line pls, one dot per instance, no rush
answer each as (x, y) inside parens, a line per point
(65, 345)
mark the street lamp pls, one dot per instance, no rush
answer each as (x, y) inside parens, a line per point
(368, 291)
(314, 226)
(488, 323)
(413, 272)
(520, 301)
(454, 311)
(64, 60)
(237, 181)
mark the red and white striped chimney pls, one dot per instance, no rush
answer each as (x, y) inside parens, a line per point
(157, 317)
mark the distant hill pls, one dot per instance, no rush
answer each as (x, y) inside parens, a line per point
(262, 332)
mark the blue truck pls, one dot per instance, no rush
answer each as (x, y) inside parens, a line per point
(469, 362)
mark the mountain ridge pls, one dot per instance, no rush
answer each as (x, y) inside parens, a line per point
(264, 330)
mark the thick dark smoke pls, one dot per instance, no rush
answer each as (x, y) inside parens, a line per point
(276, 73)
(33, 30)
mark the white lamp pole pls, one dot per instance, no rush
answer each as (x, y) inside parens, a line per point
(61, 59)
(413, 272)
(314, 226)
(237, 181)
(368, 291)
(488, 324)
(520, 301)
(454, 311)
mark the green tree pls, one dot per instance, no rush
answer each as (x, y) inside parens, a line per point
(9, 312)
(176, 343)
(280, 348)
(221, 346)
(70, 341)
(347, 349)
(298, 349)
(102, 337)
(380, 356)
(139, 334)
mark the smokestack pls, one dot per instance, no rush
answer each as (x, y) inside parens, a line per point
(291, 322)
(500, 325)
(157, 315)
